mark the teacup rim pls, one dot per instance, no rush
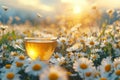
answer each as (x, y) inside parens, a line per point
(38, 38)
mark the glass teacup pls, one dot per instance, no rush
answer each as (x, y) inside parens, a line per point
(41, 48)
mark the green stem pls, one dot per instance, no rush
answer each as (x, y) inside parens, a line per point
(104, 28)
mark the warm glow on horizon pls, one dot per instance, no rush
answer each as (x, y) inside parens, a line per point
(77, 9)
(78, 6)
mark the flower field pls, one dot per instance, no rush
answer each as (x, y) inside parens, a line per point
(78, 55)
(87, 48)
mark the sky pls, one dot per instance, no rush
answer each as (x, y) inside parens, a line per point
(32, 5)
(53, 7)
(57, 5)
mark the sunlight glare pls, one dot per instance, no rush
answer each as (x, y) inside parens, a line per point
(77, 9)
(32, 54)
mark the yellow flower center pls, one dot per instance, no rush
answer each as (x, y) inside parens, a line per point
(63, 41)
(117, 46)
(53, 76)
(10, 38)
(19, 64)
(79, 55)
(68, 56)
(36, 67)
(103, 78)
(103, 39)
(7, 66)
(15, 54)
(70, 41)
(22, 57)
(17, 43)
(84, 49)
(83, 66)
(85, 34)
(88, 74)
(110, 11)
(91, 43)
(117, 72)
(107, 67)
(4, 47)
(82, 41)
(10, 75)
(94, 56)
(62, 62)
(56, 56)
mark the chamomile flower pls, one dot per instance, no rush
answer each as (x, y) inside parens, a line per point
(55, 58)
(75, 28)
(95, 72)
(103, 44)
(117, 63)
(13, 53)
(80, 54)
(82, 41)
(17, 44)
(35, 68)
(106, 67)
(96, 50)
(17, 66)
(62, 40)
(116, 37)
(94, 56)
(20, 62)
(10, 76)
(6, 68)
(57, 55)
(82, 65)
(89, 74)
(2, 27)
(4, 47)
(75, 47)
(61, 60)
(110, 12)
(91, 42)
(116, 74)
(70, 57)
(53, 61)
(54, 73)
(22, 58)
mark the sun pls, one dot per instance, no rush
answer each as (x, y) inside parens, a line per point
(77, 9)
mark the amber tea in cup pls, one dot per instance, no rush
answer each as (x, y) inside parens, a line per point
(42, 48)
